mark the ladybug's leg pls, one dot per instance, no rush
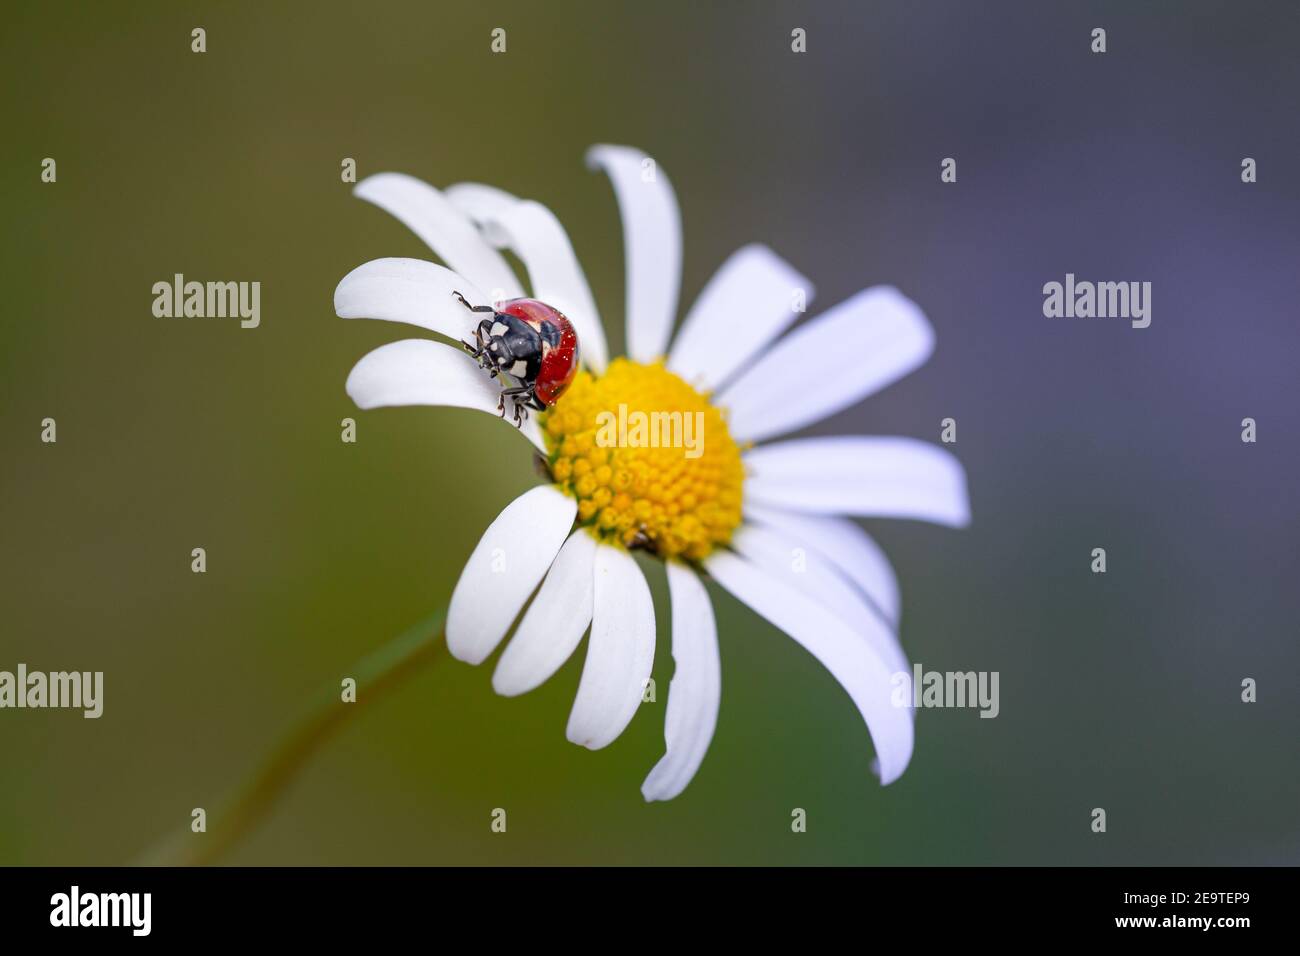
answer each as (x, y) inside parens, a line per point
(523, 397)
(484, 359)
(530, 400)
(476, 347)
(474, 308)
(511, 393)
(515, 393)
(521, 409)
(480, 349)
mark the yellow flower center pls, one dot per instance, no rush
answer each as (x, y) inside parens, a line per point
(648, 458)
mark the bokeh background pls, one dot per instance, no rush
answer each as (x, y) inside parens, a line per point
(1119, 691)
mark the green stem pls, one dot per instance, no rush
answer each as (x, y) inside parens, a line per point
(375, 674)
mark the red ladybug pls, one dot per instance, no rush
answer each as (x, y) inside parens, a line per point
(534, 344)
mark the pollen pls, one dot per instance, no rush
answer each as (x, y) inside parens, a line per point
(649, 459)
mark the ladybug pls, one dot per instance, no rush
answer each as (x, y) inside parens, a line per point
(533, 343)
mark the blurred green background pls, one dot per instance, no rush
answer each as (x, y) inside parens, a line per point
(1118, 691)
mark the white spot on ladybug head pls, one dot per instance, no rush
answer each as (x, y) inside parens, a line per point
(519, 368)
(499, 328)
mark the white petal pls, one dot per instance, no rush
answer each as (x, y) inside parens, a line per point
(505, 567)
(652, 246)
(839, 358)
(554, 623)
(806, 570)
(866, 476)
(748, 302)
(696, 689)
(620, 654)
(532, 232)
(444, 228)
(866, 676)
(483, 205)
(411, 291)
(846, 545)
(422, 372)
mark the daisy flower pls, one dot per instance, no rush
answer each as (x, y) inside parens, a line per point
(769, 521)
